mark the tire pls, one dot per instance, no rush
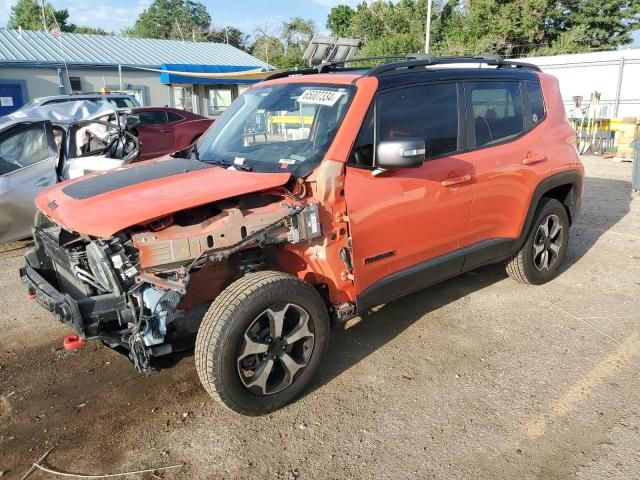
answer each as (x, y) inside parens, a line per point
(240, 359)
(529, 265)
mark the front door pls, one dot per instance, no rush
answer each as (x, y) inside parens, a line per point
(27, 166)
(408, 226)
(10, 98)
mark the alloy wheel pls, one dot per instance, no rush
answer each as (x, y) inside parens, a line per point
(277, 347)
(547, 243)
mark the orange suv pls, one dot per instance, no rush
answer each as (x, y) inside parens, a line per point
(318, 195)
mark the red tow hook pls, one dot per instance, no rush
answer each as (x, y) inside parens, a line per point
(31, 297)
(73, 342)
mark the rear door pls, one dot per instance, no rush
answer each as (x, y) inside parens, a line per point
(409, 224)
(28, 160)
(508, 155)
(156, 135)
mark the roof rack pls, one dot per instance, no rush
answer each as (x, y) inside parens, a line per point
(409, 61)
(427, 60)
(325, 67)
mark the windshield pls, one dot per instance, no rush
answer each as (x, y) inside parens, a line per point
(276, 128)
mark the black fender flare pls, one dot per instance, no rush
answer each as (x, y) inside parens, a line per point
(572, 202)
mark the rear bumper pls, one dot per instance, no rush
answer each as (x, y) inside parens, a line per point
(62, 306)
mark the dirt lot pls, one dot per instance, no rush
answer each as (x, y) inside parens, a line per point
(479, 377)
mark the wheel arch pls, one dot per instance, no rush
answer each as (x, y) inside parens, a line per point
(566, 187)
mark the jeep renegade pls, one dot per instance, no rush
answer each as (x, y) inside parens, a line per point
(318, 195)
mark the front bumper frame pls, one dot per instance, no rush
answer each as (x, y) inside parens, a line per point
(65, 308)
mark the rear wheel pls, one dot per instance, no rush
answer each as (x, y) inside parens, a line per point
(261, 342)
(539, 259)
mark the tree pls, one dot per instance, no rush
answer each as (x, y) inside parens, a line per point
(339, 20)
(504, 27)
(605, 24)
(285, 46)
(173, 19)
(230, 35)
(89, 30)
(28, 15)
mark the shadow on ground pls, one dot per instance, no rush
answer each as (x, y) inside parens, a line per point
(347, 348)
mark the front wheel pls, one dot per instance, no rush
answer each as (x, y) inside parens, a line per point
(539, 259)
(261, 341)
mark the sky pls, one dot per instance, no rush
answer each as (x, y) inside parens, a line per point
(247, 15)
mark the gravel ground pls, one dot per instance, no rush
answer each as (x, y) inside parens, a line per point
(479, 377)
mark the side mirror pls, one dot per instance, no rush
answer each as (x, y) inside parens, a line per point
(406, 152)
(132, 121)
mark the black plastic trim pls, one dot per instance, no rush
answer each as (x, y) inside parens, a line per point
(411, 280)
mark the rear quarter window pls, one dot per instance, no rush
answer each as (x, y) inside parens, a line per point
(536, 100)
(174, 117)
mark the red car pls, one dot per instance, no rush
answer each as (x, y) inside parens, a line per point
(165, 130)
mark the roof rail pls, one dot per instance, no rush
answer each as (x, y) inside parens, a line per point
(328, 66)
(496, 60)
(411, 60)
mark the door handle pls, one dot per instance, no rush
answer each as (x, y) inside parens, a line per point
(43, 181)
(532, 158)
(164, 131)
(449, 182)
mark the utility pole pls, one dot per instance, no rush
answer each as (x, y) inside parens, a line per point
(428, 33)
(44, 17)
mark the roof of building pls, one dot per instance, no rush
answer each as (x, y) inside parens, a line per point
(40, 47)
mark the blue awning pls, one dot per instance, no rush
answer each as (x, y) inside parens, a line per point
(169, 75)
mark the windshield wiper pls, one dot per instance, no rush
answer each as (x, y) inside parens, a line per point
(224, 163)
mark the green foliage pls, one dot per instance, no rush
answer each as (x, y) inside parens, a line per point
(90, 30)
(285, 50)
(230, 35)
(28, 15)
(339, 20)
(504, 27)
(173, 19)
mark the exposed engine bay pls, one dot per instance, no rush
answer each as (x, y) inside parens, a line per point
(131, 290)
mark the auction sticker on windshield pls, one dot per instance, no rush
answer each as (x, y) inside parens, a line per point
(320, 97)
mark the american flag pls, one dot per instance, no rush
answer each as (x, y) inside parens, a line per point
(55, 31)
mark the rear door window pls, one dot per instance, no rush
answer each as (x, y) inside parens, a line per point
(497, 111)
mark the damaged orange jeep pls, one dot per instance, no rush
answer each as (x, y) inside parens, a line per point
(317, 195)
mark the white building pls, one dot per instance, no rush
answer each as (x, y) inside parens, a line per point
(614, 74)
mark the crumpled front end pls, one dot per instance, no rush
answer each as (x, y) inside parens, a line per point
(131, 290)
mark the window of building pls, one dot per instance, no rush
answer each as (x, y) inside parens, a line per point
(152, 117)
(536, 100)
(218, 99)
(183, 97)
(76, 85)
(497, 111)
